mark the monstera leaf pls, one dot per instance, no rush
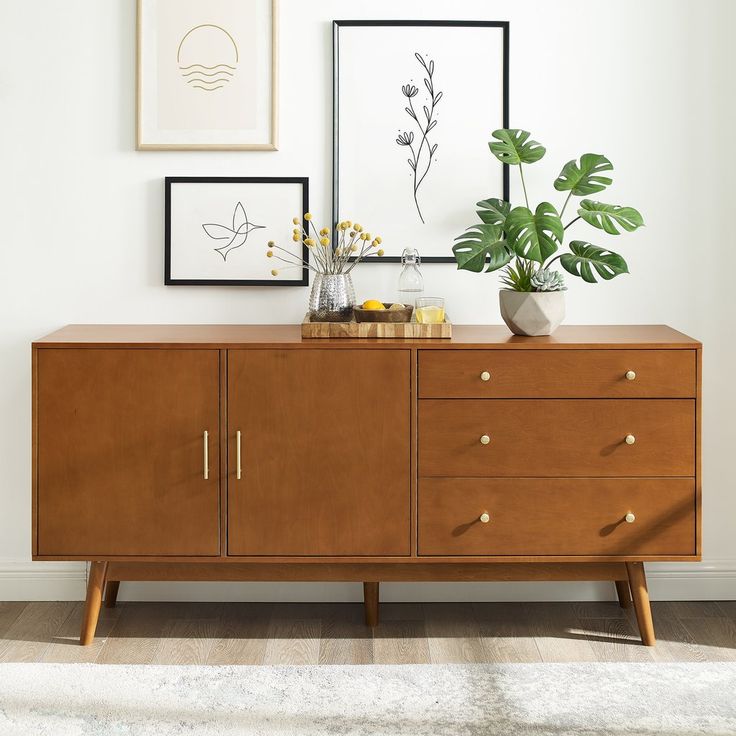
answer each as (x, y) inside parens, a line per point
(585, 257)
(514, 147)
(481, 248)
(607, 216)
(585, 177)
(534, 235)
(493, 211)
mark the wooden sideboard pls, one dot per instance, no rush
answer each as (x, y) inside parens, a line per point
(227, 452)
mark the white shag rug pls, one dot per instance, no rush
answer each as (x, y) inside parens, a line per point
(410, 700)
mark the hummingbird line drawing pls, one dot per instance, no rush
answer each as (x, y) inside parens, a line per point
(235, 235)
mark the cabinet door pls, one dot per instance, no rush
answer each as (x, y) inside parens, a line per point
(324, 452)
(121, 452)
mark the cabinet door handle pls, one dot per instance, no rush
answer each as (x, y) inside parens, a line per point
(484, 439)
(630, 439)
(630, 375)
(630, 518)
(238, 468)
(206, 455)
(485, 376)
(485, 517)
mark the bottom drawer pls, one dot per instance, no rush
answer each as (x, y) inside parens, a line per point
(560, 516)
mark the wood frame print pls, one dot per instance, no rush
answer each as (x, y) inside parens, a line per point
(217, 230)
(411, 126)
(207, 75)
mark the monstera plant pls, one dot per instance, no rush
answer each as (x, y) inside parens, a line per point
(532, 238)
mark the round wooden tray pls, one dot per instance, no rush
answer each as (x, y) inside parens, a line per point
(383, 315)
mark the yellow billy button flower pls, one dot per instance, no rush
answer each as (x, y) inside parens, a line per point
(374, 244)
(296, 237)
(353, 233)
(274, 272)
(324, 231)
(363, 236)
(367, 236)
(353, 249)
(378, 239)
(380, 252)
(325, 241)
(309, 242)
(270, 244)
(296, 220)
(307, 216)
(348, 223)
(357, 227)
(269, 254)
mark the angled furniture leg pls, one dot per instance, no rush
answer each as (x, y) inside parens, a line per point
(370, 602)
(95, 584)
(111, 593)
(622, 591)
(640, 595)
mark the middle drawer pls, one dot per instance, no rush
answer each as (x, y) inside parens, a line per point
(556, 437)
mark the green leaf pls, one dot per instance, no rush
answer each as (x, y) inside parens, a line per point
(481, 248)
(585, 177)
(515, 148)
(586, 257)
(607, 216)
(534, 236)
(493, 211)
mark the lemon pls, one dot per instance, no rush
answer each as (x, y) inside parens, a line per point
(395, 307)
(373, 304)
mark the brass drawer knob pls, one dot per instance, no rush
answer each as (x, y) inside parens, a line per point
(630, 375)
(630, 439)
(484, 439)
(485, 517)
(630, 518)
(485, 376)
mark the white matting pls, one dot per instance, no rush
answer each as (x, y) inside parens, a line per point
(411, 700)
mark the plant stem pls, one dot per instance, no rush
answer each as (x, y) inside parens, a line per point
(549, 263)
(523, 184)
(571, 222)
(562, 211)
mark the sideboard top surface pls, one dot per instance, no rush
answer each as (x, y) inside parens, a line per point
(464, 336)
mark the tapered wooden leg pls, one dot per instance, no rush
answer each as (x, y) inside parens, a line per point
(640, 595)
(111, 593)
(370, 602)
(623, 591)
(95, 584)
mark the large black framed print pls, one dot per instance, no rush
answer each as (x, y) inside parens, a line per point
(414, 106)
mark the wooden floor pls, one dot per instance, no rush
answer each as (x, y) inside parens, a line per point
(260, 633)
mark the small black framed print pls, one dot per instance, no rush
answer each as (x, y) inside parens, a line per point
(218, 228)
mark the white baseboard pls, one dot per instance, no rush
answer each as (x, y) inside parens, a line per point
(21, 580)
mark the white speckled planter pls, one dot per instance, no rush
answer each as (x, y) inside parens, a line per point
(532, 312)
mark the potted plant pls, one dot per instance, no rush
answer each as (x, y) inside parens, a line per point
(333, 296)
(533, 301)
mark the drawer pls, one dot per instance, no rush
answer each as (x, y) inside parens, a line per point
(578, 516)
(459, 374)
(556, 437)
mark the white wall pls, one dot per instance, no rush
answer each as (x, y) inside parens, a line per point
(650, 84)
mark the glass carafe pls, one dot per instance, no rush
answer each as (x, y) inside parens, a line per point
(411, 283)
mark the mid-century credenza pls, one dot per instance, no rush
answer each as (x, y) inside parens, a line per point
(244, 452)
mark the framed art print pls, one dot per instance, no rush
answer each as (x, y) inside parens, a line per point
(218, 228)
(207, 74)
(415, 103)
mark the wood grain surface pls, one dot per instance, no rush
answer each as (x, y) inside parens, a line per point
(556, 437)
(583, 516)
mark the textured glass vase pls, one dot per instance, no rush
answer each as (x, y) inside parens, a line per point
(332, 298)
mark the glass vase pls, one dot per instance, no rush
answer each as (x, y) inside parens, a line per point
(332, 298)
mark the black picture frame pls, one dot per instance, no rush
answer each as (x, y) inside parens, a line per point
(336, 25)
(173, 180)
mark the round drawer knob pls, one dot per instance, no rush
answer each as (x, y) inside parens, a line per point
(630, 518)
(485, 376)
(484, 439)
(485, 517)
(630, 439)
(630, 375)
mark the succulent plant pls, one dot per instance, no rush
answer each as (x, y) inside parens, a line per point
(546, 280)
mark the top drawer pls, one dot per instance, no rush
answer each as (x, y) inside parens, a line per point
(556, 374)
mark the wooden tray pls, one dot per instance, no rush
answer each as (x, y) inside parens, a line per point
(355, 329)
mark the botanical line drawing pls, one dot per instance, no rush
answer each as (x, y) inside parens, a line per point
(235, 235)
(421, 158)
(209, 43)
